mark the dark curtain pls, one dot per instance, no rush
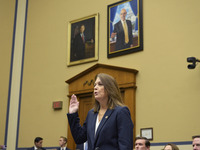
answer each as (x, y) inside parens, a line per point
(112, 17)
(134, 7)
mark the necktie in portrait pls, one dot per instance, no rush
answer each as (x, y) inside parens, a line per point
(125, 32)
(83, 38)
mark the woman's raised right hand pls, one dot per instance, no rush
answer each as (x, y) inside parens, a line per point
(74, 104)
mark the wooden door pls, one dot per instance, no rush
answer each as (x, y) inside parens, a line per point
(85, 104)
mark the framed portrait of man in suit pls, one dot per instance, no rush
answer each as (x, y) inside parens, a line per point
(125, 28)
(83, 40)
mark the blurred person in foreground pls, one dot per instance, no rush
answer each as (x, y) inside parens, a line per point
(196, 142)
(37, 144)
(142, 143)
(171, 146)
(62, 143)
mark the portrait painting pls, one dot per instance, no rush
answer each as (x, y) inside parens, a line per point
(125, 32)
(83, 40)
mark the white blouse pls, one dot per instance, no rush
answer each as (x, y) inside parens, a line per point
(97, 124)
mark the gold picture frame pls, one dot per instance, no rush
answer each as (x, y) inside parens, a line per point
(83, 40)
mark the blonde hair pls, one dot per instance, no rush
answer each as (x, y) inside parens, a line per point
(64, 139)
(113, 91)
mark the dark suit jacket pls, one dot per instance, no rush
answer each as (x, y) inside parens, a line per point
(80, 146)
(79, 47)
(118, 28)
(115, 131)
(66, 148)
(32, 148)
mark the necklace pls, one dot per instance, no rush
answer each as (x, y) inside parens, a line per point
(101, 114)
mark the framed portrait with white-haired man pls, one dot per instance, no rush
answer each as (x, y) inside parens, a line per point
(125, 28)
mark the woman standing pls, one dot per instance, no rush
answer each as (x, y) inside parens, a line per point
(108, 125)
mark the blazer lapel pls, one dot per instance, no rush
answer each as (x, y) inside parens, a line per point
(102, 123)
(92, 123)
(121, 26)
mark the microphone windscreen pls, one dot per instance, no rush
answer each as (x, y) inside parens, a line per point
(191, 59)
(191, 66)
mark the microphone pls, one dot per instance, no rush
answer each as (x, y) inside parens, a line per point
(191, 66)
(192, 60)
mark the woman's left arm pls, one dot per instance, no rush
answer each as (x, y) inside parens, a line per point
(125, 129)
